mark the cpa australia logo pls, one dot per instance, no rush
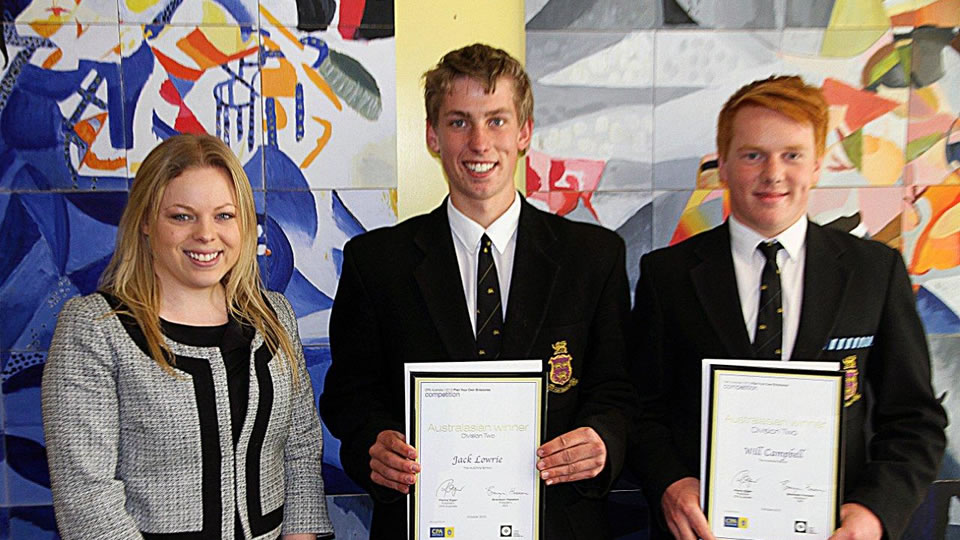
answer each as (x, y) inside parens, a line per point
(506, 531)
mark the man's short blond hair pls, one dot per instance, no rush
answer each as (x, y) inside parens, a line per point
(486, 65)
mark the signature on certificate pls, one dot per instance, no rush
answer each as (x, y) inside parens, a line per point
(493, 491)
(448, 490)
(789, 485)
(743, 480)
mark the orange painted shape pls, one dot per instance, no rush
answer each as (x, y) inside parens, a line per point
(52, 60)
(321, 142)
(202, 62)
(940, 13)
(269, 44)
(693, 221)
(863, 106)
(948, 224)
(938, 246)
(45, 29)
(317, 80)
(91, 160)
(176, 68)
(280, 81)
(205, 54)
(85, 131)
(88, 129)
(280, 27)
(281, 114)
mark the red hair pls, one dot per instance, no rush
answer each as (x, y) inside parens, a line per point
(787, 95)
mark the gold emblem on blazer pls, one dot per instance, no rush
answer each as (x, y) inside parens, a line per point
(561, 369)
(851, 389)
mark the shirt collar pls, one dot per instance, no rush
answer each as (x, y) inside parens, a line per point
(469, 232)
(744, 240)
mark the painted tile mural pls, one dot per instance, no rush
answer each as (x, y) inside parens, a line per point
(594, 95)
(320, 95)
(67, 89)
(303, 91)
(626, 106)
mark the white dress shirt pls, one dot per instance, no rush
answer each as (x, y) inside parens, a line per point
(466, 241)
(748, 263)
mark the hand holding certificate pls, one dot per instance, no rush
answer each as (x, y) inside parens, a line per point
(476, 427)
(575, 455)
(392, 462)
(772, 449)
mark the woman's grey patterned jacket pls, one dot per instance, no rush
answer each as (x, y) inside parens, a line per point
(137, 453)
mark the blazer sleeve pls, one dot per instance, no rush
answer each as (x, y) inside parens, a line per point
(609, 400)
(353, 403)
(654, 456)
(81, 425)
(304, 503)
(908, 422)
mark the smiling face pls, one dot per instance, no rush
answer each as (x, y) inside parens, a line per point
(196, 238)
(479, 139)
(769, 169)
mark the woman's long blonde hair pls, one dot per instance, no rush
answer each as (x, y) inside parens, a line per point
(130, 274)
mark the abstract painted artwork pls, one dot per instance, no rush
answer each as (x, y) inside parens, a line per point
(303, 91)
(627, 95)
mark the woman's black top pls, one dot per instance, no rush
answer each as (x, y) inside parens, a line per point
(233, 339)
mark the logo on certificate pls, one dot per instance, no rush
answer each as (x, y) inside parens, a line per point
(561, 369)
(850, 389)
(799, 526)
(735, 522)
(506, 531)
(441, 532)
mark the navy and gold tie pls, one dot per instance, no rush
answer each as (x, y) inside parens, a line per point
(489, 312)
(768, 339)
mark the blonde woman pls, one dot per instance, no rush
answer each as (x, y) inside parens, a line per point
(176, 402)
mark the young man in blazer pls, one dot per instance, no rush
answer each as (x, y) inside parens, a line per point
(415, 292)
(842, 299)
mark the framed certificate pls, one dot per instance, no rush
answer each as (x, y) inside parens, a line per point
(772, 449)
(476, 427)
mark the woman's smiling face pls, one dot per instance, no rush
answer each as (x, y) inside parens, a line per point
(196, 238)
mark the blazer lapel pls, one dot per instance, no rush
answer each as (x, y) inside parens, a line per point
(438, 276)
(531, 284)
(720, 301)
(825, 277)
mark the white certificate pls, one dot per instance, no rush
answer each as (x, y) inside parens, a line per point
(476, 432)
(773, 451)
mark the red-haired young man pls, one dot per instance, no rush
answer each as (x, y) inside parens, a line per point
(702, 299)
